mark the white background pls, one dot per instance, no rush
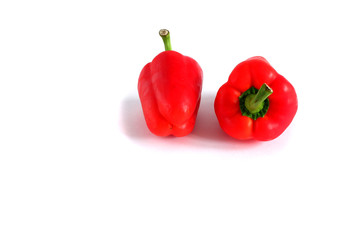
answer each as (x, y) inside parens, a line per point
(78, 162)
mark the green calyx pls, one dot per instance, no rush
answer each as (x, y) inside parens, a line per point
(254, 103)
(165, 35)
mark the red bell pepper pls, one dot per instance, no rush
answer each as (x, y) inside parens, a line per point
(256, 102)
(169, 89)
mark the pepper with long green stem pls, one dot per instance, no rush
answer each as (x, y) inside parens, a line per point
(169, 89)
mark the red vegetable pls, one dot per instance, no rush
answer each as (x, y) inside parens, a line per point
(256, 102)
(169, 89)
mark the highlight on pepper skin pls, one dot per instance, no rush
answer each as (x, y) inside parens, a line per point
(169, 89)
(256, 102)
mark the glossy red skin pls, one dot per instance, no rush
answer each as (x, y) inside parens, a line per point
(283, 102)
(169, 89)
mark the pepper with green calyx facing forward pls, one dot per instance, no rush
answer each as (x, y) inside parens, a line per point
(256, 102)
(169, 89)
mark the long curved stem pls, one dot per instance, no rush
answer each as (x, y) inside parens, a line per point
(165, 35)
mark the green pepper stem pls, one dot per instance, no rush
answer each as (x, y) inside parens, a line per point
(165, 35)
(254, 103)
